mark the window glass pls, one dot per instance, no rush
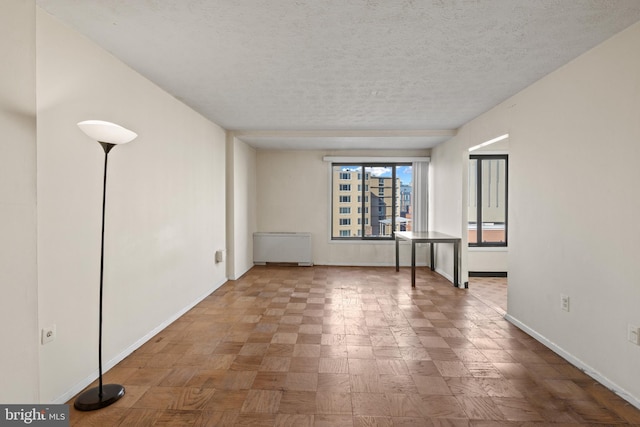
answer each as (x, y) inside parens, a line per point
(488, 200)
(473, 202)
(387, 191)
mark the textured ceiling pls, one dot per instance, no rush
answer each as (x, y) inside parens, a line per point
(338, 65)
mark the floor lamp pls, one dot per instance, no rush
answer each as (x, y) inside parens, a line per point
(108, 135)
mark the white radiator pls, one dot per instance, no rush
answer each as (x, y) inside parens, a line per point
(282, 247)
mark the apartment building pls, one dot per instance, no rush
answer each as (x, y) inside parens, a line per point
(367, 205)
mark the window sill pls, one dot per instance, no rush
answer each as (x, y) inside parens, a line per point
(488, 249)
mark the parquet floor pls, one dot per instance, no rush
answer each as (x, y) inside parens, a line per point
(490, 290)
(347, 346)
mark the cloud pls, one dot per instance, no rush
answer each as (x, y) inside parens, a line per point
(350, 168)
(379, 171)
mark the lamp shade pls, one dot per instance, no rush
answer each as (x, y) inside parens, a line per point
(108, 132)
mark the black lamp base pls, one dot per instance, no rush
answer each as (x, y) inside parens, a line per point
(91, 400)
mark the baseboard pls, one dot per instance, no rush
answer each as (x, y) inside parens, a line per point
(449, 277)
(367, 264)
(576, 362)
(126, 352)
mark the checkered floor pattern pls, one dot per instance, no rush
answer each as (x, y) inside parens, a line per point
(349, 346)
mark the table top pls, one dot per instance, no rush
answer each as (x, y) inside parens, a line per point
(426, 236)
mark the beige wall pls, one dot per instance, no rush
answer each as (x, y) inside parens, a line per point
(242, 212)
(165, 208)
(18, 268)
(573, 226)
(294, 195)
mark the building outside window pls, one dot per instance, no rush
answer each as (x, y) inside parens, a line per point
(487, 203)
(387, 191)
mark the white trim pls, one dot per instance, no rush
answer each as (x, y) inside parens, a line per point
(360, 159)
(126, 352)
(576, 362)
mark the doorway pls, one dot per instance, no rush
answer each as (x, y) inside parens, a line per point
(486, 219)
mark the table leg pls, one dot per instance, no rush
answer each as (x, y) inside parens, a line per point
(432, 257)
(413, 264)
(456, 250)
(397, 254)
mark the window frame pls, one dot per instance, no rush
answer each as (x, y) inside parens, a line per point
(363, 198)
(478, 190)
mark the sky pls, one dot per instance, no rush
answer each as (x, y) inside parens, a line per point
(403, 172)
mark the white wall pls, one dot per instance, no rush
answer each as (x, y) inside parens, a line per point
(447, 182)
(487, 259)
(165, 208)
(242, 210)
(294, 195)
(573, 205)
(18, 268)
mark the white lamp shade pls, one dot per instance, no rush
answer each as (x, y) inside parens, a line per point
(108, 132)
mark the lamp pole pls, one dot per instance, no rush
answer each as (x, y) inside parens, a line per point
(105, 394)
(107, 147)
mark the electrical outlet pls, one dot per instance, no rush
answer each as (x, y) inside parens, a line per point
(48, 334)
(564, 302)
(633, 334)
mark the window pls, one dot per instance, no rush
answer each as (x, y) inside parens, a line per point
(344, 233)
(345, 176)
(383, 187)
(345, 210)
(487, 202)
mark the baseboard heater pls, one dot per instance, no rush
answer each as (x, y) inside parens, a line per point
(282, 248)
